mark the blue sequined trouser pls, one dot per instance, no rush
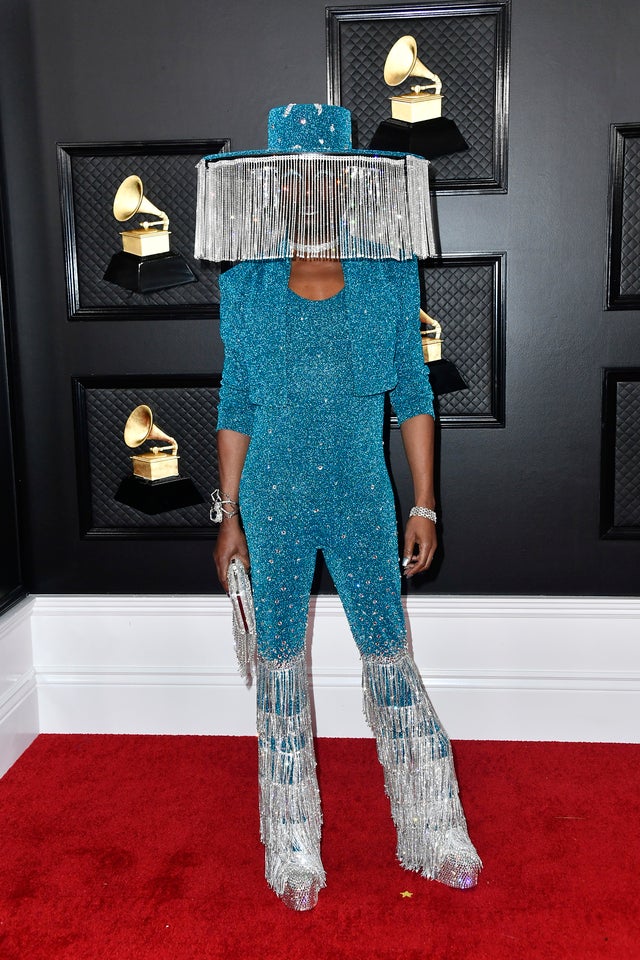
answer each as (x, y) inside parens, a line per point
(314, 479)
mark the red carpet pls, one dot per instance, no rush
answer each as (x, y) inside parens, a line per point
(132, 848)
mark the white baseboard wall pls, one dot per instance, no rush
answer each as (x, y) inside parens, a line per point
(18, 693)
(505, 668)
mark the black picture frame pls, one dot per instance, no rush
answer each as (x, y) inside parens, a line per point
(466, 44)
(620, 454)
(466, 294)
(101, 405)
(89, 175)
(623, 246)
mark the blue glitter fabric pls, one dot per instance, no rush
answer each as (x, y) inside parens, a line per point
(378, 319)
(315, 477)
(308, 128)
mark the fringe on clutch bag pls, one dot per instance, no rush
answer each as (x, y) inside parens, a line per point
(244, 618)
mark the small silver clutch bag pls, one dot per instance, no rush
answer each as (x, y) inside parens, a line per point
(244, 618)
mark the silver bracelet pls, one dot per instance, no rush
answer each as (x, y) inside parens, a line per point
(218, 511)
(423, 512)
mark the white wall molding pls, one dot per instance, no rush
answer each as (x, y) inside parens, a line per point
(18, 694)
(534, 668)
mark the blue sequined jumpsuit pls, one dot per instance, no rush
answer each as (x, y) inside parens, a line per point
(315, 477)
(302, 378)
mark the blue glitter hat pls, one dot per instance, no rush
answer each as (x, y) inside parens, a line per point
(310, 192)
(310, 127)
(307, 128)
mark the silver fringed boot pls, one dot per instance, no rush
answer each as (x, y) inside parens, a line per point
(420, 778)
(290, 814)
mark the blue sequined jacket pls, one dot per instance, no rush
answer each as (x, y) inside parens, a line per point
(381, 325)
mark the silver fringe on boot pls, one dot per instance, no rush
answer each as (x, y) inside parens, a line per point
(420, 778)
(290, 814)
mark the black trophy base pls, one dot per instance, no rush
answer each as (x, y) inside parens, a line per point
(158, 496)
(428, 138)
(148, 274)
(444, 377)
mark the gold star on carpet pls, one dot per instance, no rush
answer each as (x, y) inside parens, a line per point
(406, 893)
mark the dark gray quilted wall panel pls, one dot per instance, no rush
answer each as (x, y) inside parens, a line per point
(627, 456)
(465, 295)
(623, 253)
(630, 239)
(89, 181)
(466, 47)
(186, 412)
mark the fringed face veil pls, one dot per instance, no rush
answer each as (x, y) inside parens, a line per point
(311, 193)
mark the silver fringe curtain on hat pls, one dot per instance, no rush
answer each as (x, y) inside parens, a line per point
(320, 205)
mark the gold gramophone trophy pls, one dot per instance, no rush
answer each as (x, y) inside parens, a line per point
(443, 374)
(416, 124)
(431, 338)
(156, 463)
(155, 484)
(146, 262)
(424, 101)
